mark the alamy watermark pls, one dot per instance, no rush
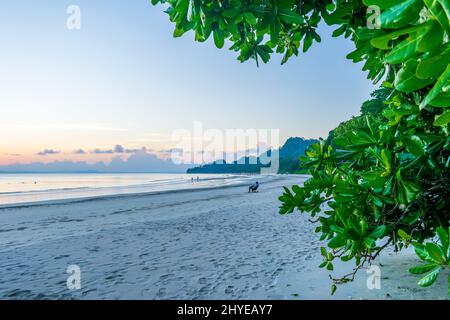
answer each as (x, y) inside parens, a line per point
(373, 19)
(373, 277)
(74, 279)
(237, 146)
(73, 21)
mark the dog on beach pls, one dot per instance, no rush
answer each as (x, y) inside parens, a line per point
(254, 187)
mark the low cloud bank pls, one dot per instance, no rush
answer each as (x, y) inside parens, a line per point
(139, 161)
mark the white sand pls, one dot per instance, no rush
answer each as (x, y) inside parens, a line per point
(207, 244)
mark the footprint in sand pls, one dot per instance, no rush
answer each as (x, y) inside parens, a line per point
(204, 290)
(62, 256)
(256, 286)
(202, 280)
(161, 292)
(229, 290)
(165, 276)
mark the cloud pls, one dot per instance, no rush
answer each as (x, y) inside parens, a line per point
(141, 161)
(143, 149)
(173, 150)
(48, 152)
(100, 151)
(79, 151)
(118, 149)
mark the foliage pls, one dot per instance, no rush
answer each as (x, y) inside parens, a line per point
(375, 105)
(371, 108)
(244, 165)
(386, 171)
(436, 256)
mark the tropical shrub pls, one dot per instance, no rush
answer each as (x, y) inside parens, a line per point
(371, 108)
(390, 170)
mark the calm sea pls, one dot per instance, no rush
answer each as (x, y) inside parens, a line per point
(24, 188)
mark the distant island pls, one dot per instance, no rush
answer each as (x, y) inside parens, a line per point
(289, 154)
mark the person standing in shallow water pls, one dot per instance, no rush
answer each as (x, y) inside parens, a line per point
(198, 179)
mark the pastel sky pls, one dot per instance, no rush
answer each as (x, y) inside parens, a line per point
(123, 79)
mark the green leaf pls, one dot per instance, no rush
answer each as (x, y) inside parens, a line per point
(435, 252)
(250, 18)
(407, 191)
(290, 17)
(432, 67)
(230, 13)
(401, 14)
(443, 119)
(416, 146)
(330, 6)
(263, 51)
(422, 269)
(446, 6)
(182, 8)
(375, 178)
(412, 218)
(219, 39)
(406, 80)
(379, 232)
(438, 13)
(443, 80)
(333, 289)
(337, 242)
(307, 42)
(431, 39)
(441, 101)
(369, 243)
(430, 278)
(383, 42)
(383, 4)
(339, 31)
(275, 31)
(403, 51)
(421, 251)
(403, 235)
(178, 32)
(444, 238)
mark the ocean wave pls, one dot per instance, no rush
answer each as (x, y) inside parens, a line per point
(43, 190)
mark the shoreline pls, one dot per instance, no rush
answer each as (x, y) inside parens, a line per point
(69, 200)
(112, 196)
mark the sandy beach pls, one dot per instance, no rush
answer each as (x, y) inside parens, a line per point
(216, 243)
